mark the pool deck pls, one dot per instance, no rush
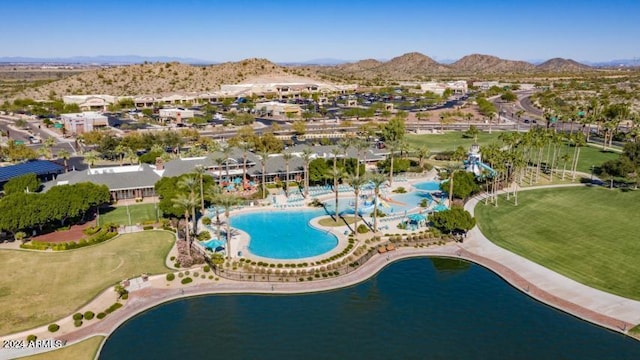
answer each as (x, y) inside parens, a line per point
(604, 309)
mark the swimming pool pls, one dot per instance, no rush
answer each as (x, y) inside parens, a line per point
(213, 244)
(428, 186)
(284, 234)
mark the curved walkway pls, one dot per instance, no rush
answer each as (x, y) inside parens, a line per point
(604, 309)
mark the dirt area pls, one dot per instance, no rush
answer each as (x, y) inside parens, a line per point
(73, 234)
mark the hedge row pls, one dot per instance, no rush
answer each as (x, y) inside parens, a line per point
(105, 233)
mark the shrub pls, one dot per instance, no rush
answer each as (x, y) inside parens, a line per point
(195, 274)
(77, 323)
(113, 308)
(124, 296)
(204, 235)
(77, 316)
(31, 338)
(147, 227)
(400, 190)
(187, 272)
(180, 275)
(186, 280)
(88, 315)
(101, 315)
(206, 221)
(172, 258)
(53, 328)
(171, 276)
(362, 229)
(206, 268)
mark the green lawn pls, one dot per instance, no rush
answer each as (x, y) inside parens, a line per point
(37, 288)
(84, 350)
(593, 156)
(120, 215)
(341, 221)
(587, 234)
(449, 141)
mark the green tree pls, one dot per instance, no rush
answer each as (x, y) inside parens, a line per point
(22, 183)
(377, 180)
(453, 219)
(356, 183)
(394, 130)
(464, 185)
(318, 170)
(227, 202)
(299, 127)
(185, 202)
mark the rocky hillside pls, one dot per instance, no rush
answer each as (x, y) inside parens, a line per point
(157, 78)
(487, 64)
(559, 65)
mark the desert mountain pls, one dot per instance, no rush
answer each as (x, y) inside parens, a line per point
(157, 78)
(487, 64)
(562, 65)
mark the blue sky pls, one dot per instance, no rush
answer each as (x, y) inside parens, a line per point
(302, 30)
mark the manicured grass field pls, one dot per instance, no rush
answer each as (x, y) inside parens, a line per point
(593, 156)
(37, 288)
(449, 141)
(85, 349)
(341, 221)
(587, 234)
(139, 213)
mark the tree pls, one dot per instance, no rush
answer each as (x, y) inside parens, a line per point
(318, 169)
(299, 127)
(472, 132)
(200, 172)
(307, 153)
(228, 201)
(23, 183)
(377, 180)
(264, 157)
(65, 155)
(464, 185)
(185, 202)
(48, 145)
(394, 130)
(456, 218)
(451, 169)
(189, 183)
(286, 156)
(91, 157)
(422, 152)
(356, 183)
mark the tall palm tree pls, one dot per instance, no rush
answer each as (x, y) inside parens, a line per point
(219, 162)
(228, 201)
(213, 193)
(245, 146)
(200, 172)
(48, 145)
(361, 146)
(186, 202)
(121, 150)
(286, 156)
(451, 169)
(264, 157)
(344, 145)
(226, 152)
(392, 145)
(377, 180)
(356, 182)
(578, 142)
(64, 155)
(189, 183)
(336, 173)
(131, 156)
(306, 157)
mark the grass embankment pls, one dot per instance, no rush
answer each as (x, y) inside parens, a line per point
(342, 221)
(587, 234)
(85, 349)
(37, 288)
(121, 215)
(635, 331)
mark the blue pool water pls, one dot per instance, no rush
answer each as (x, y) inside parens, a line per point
(284, 234)
(428, 186)
(400, 203)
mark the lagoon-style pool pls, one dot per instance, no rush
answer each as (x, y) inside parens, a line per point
(284, 234)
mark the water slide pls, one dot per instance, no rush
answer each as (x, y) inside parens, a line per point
(487, 167)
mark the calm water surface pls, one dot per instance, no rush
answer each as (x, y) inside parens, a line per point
(414, 309)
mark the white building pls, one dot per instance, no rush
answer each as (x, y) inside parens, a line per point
(90, 102)
(78, 123)
(458, 87)
(176, 114)
(275, 108)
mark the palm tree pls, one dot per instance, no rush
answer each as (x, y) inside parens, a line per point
(226, 152)
(264, 156)
(578, 142)
(219, 162)
(48, 145)
(360, 146)
(245, 146)
(64, 155)
(377, 180)
(336, 173)
(121, 150)
(356, 182)
(131, 156)
(344, 145)
(200, 171)
(213, 193)
(228, 201)
(186, 202)
(91, 157)
(451, 169)
(422, 152)
(392, 145)
(286, 156)
(306, 157)
(189, 183)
